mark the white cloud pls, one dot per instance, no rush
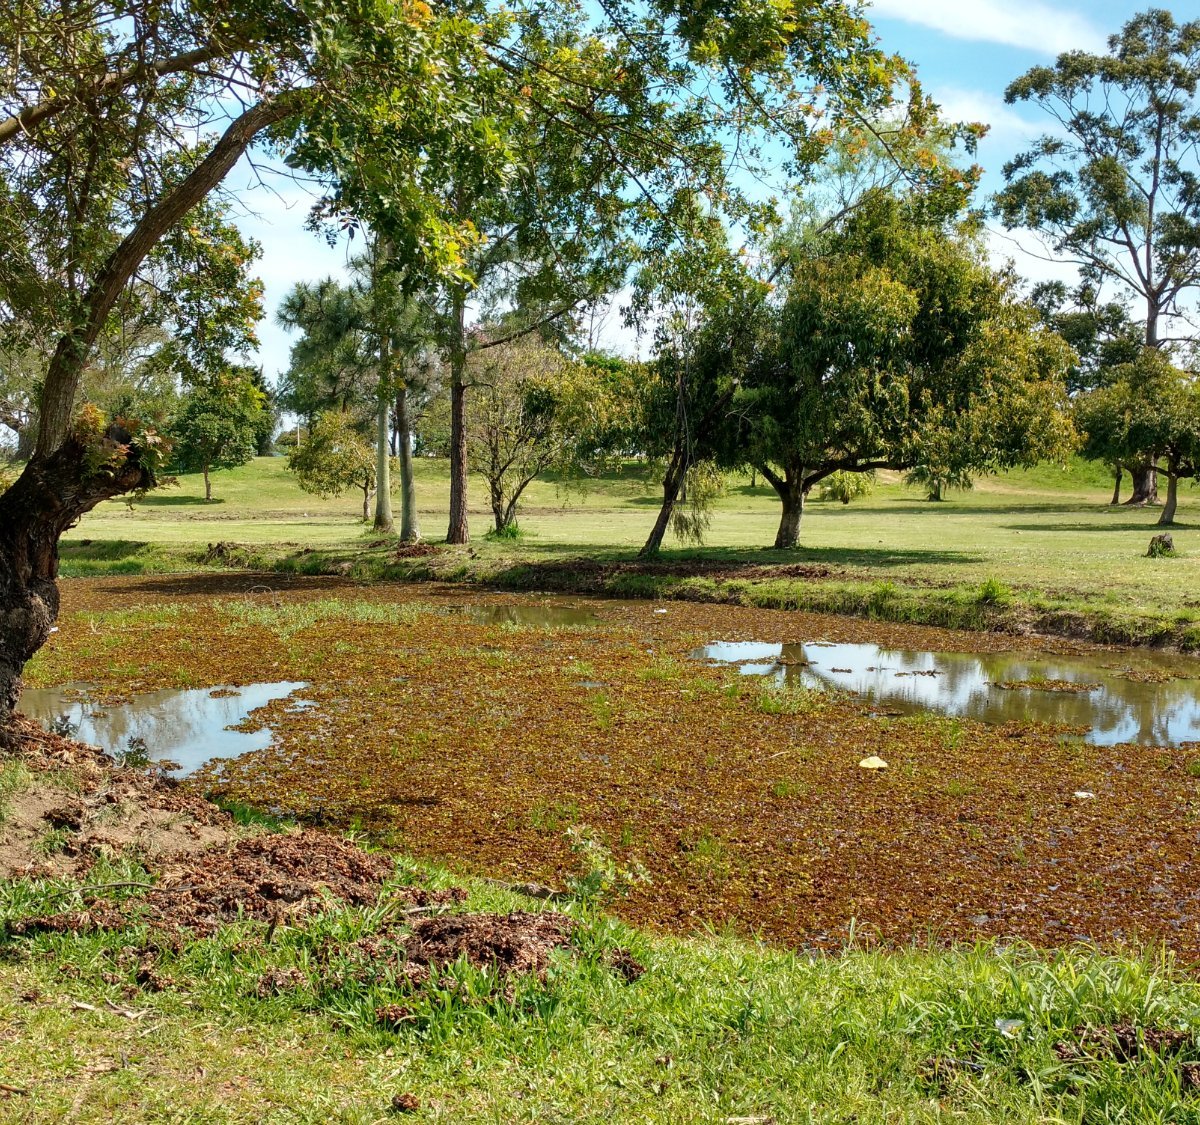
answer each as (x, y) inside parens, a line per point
(1006, 124)
(1014, 23)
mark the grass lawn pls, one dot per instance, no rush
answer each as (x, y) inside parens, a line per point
(1041, 545)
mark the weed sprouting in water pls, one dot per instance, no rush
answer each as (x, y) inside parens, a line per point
(600, 877)
(788, 699)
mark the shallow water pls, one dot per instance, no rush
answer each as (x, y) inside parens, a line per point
(545, 616)
(188, 727)
(1117, 709)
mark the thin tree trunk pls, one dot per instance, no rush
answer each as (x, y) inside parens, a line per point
(1168, 512)
(458, 531)
(383, 468)
(497, 498)
(1118, 473)
(366, 491)
(207, 485)
(672, 482)
(410, 525)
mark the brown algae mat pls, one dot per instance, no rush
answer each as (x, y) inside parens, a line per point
(479, 743)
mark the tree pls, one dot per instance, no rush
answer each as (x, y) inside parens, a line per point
(218, 426)
(104, 154)
(334, 458)
(363, 349)
(531, 407)
(1150, 409)
(895, 345)
(1114, 188)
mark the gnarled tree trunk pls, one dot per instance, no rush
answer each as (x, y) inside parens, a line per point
(1168, 512)
(1118, 473)
(1145, 486)
(672, 484)
(48, 498)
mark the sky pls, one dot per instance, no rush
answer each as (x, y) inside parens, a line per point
(965, 51)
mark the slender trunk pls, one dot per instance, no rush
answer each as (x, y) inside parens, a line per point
(49, 496)
(410, 525)
(497, 498)
(1168, 512)
(383, 468)
(1118, 473)
(366, 491)
(458, 531)
(672, 483)
(207, 485)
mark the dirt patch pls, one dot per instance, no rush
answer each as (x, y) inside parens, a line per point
(266, 878)
(1066, 687)
(415, 551)
(1124, 1042)
(518, 943)
(78, 805)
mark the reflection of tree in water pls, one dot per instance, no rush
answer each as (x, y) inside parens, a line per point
(1120, 710)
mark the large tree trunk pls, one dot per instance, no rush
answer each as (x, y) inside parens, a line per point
(672, 483)
(791, 492)
(1145, 486)
(1168, 512)
(410, 524)
(49, 497)
(458, 531)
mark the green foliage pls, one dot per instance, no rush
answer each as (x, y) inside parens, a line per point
(1114, 184)
(599, 876)
(896, 346)
(333, 458)
(846, 487)
(218, 426)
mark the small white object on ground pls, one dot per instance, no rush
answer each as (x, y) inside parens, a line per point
(1084, 794)
(874, 762)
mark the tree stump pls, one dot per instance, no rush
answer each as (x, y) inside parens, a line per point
(1161, 546)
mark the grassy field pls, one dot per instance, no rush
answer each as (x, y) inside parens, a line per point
(1030, 550)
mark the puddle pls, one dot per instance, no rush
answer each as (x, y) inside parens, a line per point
(529, 616)
(189, 727)
(1115, 708)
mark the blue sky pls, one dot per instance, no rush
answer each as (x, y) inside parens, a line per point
(966, 53)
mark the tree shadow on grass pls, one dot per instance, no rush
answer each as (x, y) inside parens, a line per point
(1150, 527)
(164, 501)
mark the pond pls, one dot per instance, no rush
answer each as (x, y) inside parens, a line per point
(1147, 698)
(186, 727)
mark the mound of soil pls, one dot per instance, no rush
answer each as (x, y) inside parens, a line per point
(76, 789)
(518, 943)
(267, 878)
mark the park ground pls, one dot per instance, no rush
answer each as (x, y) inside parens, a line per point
(593, 878)
(1036, 550)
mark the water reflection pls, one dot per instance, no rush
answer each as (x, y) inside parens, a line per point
(1118, 709)
(188, 727)
(528, 616)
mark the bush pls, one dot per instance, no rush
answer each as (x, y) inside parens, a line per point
(846, 486)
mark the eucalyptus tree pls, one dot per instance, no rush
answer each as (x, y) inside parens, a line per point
(1113, 186)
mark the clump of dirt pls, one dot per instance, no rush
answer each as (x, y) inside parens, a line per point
(104, 809)
(516, 943)
(266, 878)
(1124, 1042)
(415, 550)
(625, 964)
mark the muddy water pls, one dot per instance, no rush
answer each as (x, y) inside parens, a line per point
(186, 727)
(1147, 698)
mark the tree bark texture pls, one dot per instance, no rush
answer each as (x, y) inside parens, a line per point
(410, 524)
(458, 531)
(48, 498)
(1118, 473)
(672, 484)
(1168, 513)
(1145, 486)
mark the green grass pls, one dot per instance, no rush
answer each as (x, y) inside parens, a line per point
(717, 1028)
(1037, 548)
